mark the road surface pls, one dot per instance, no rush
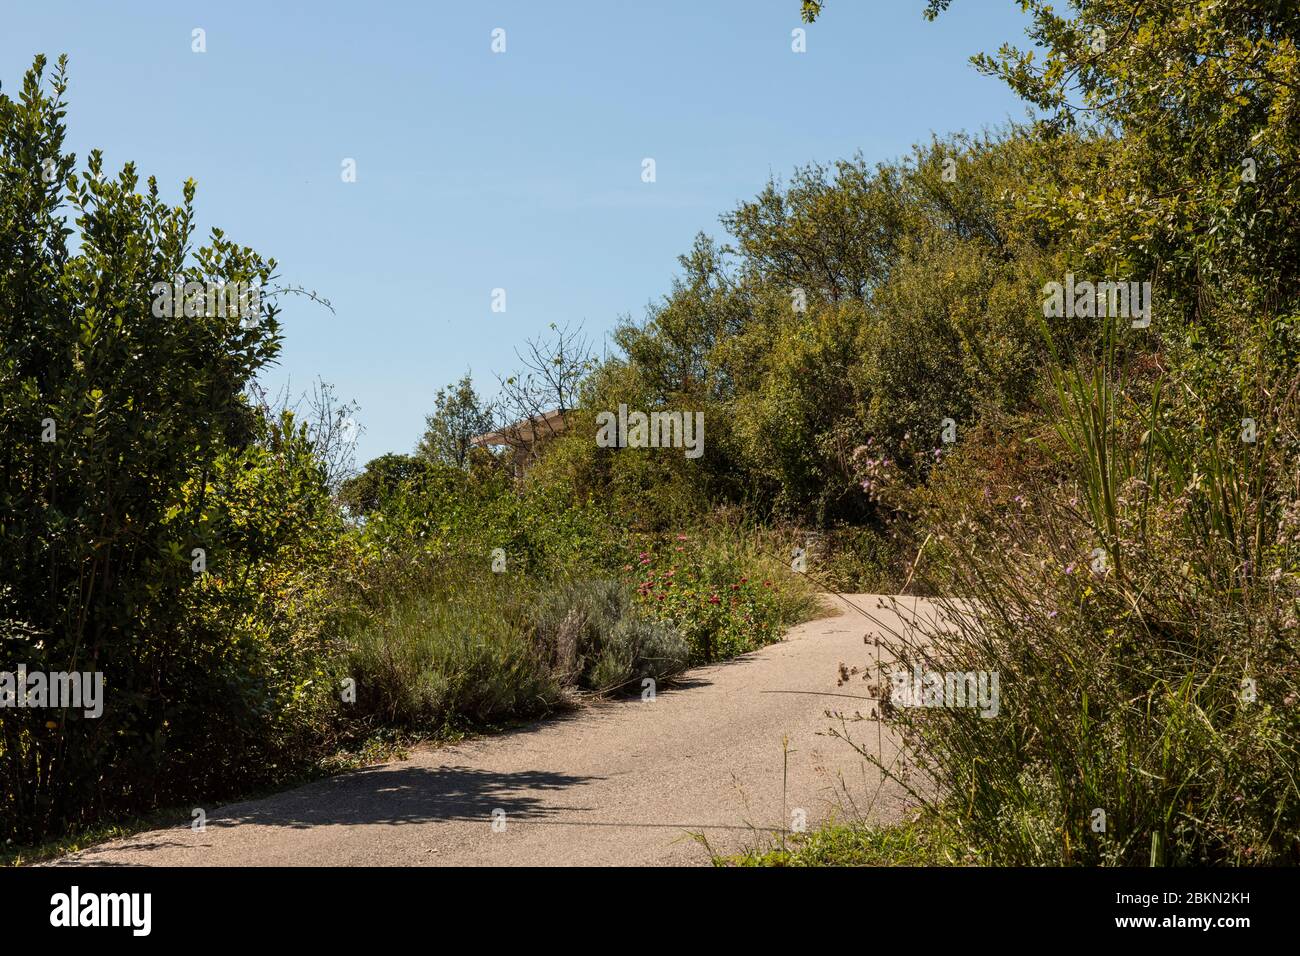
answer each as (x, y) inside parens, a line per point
(623, 782)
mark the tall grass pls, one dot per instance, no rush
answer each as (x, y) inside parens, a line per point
(470, 649)
(452, 658)
(441, 643)
(1140, 606)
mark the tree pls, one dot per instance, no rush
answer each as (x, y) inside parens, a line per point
(331, 426)
(550, 377)
(459, 415)
(364, 493)
(1203, 106)
(116, 412)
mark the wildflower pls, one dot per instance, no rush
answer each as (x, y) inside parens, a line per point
(713, 599)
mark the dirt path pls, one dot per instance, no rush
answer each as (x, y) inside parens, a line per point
(622, 782)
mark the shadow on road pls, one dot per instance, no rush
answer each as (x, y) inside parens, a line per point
(408, 794)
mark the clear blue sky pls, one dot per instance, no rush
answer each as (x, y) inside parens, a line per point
(477, 170)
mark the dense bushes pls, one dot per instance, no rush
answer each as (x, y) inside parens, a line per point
(718, 587)
(454, 653)
(600, 641)
(482, 649)
(447, 634)
(854, 304)
(128, 443)
(1144, 617)
(1125, 544)
(870, 356)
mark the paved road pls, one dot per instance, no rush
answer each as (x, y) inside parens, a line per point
(620, 782)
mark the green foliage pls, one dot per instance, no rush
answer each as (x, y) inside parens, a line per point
(1128, 552)
(865, 560)
(444, 514)
(382, 477)
(916, 842)
(473, 649)
(858, 305)
(147, 415)
(459, 415)
(852, 310)
(1144, 616)
(723, 594)
(550, 619)
(598, 639)
(454, 655)
(254, 696)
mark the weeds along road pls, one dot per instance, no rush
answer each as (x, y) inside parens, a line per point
(620, 782)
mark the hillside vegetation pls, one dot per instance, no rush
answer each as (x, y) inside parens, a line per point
(891, 398)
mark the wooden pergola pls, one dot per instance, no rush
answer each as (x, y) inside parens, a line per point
(525, 437)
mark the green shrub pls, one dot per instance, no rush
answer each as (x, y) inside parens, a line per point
(127, 441)
(865, 560)
(481, 649)
(1143, 614)
(598, 639)
(452, 657)
(915, 842)
(724, 594)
